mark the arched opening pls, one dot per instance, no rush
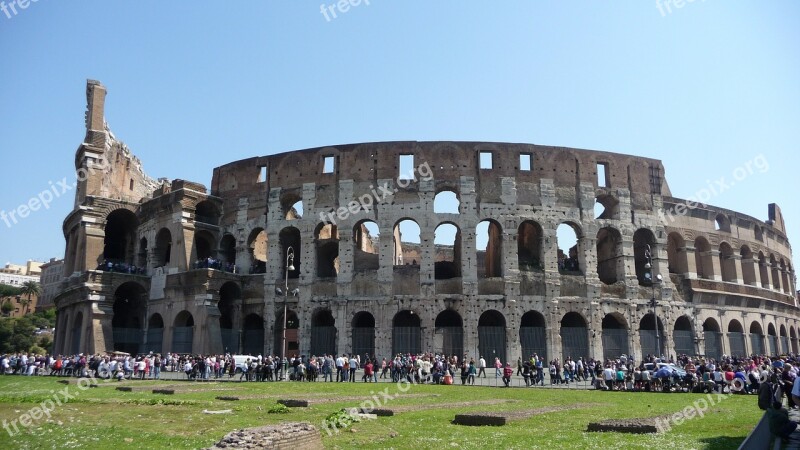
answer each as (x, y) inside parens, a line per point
(257, 246)
(567, 236)
(772, 340)
(492, 336)
(787, 288)
(155, 334)
(683, 337)
(649, 339)
(727, 263)
(292, 334)
(702, 258)
(405, 237)
(77, 326)
(120, 237)
(227, 252)
(748, 266)
(204, 250)
(756, 339)
(784, 340)
(712, 336)
(163, 249)
(406, 333)
(366, 242)
(206, 212)
(446, 202)
(606, 207)
(230, 304)
(721, 223)
(793, 339)
(736, 338)
(292, 206)
(615, 336)
(323, 333)
(489, 249)
(363, 333)
(141, 260)
(676, 254)
(610, 260)
(574, 337)
(447, 246)
(449, 333)
(183, 333)
(130, 307)
(533, 335)
(529, 246)
(327, 244)
(776, 277)
(290, 237)
(253, 335)
(644, 253)
(763, 270)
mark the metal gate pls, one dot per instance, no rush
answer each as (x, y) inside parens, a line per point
(574, 343)
(253, 342)
(648, 342)
(785, 344)
(533, 340)
(714, 344)
(406, 340)
(452, 340)
(127, 339)
(155, 338)
(684, 342)
(230, 340)
(736, 341)
(757, 344)
(76, 340)
(773, 344)
(615, 343)
(182, 339)
(363, 341)
(323, 341)
(492, 343)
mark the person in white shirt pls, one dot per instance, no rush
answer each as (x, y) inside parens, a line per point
(482, 367)
(608, 376)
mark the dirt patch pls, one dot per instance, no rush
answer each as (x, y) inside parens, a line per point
(284, 436)
(636, 426)
(503, 417)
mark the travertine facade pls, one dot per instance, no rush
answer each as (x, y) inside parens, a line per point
(359, 284)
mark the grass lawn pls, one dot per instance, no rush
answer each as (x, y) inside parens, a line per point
(106, 418)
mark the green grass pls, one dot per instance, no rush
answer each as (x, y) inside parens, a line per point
(105, 418)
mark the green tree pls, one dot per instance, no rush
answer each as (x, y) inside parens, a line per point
(7, 307)
(30, 288)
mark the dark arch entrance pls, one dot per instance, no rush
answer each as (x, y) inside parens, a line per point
(648, 337)
(129, 315)
(574, 336)
(449, 333)
(406, 333)
(77, 326)
(363, 334)
(492, 336)
(120, 236)
(736, 338)
(713, 338)
(155, 334)
(292, 334)
(230, 296)
(683, 337)
(253, 335)
(183, 333)
(323, 333)
(532, 335)
(615, 336)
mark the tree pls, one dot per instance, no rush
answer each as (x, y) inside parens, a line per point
(30, 288)
(7, 307)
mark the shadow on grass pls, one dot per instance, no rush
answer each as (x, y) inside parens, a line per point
(722, 442)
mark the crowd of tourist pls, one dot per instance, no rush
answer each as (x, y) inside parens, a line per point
(213, 263)
(121, 267)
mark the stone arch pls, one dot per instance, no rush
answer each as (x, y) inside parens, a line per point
(292, 324)
(651, 338)
(568, 254)
(793, 338)
(76, 332)
(289, 237)
(574, 336)
(784, 339)
(727, 263)
(326, 238)
(446, 202)
(772, 340)
(366, 246)
(406, 239)
(776, 277)
(529, 246)
(676, 254)
(120, 236)
(363, 324)
(533, 335)
(683, 336)
(722, 223)
(702, 258)
(227, 250)
(447, 245)
(155, 334)
(183, 333)
(253, 335)
(406, 333)
(130, 307)
(606, 207)
(610, 259)
(756, 338)
(230, 304)
(204, 247)
(258, 247)
(323, 333)
(712, 335)
(163, 250)
(644, 242)
(615, 336)
(748, 265)
(492, 335)
(489, 235)
(292, 206)
(763, 270)
(787, 288)
(449, 327)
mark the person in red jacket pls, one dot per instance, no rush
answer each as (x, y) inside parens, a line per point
(507, 372)
(368, 368)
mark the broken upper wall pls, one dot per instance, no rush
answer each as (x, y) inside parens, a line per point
(369, 164)
(105, 166)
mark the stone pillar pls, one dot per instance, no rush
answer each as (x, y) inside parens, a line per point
(737, 267)
(716, 267)
(691, 261)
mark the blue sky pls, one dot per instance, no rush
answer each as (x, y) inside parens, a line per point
(193, 85)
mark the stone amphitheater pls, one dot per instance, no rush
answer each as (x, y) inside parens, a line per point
(381, 248)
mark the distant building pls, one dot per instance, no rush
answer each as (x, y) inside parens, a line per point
(16, 275)
(52, 273)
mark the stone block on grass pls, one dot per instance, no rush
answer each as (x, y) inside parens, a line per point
(294, 403)
(478, 420)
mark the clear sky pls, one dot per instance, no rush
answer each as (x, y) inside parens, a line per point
(705, 87)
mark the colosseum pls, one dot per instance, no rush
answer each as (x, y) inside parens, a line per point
(392, 247)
